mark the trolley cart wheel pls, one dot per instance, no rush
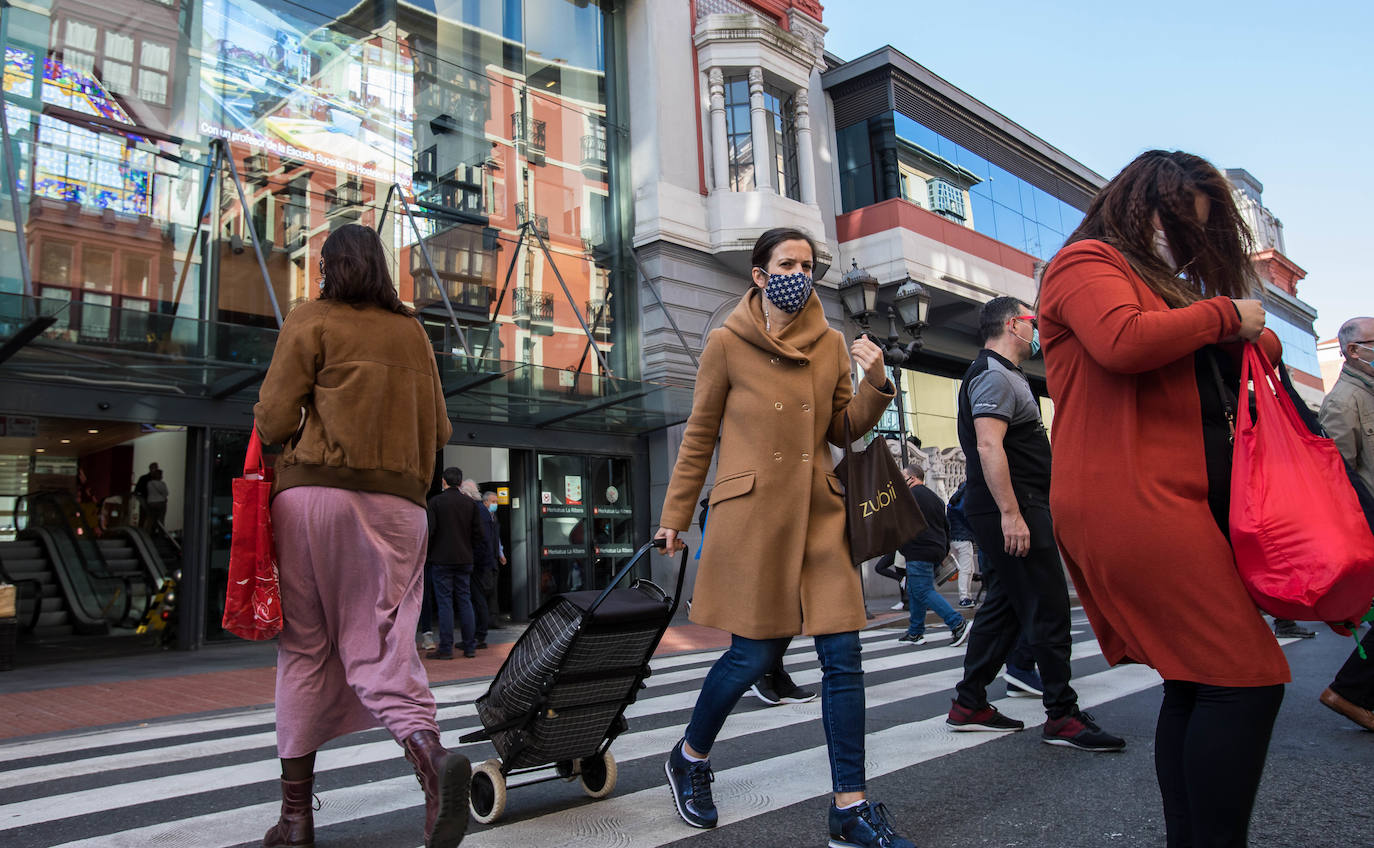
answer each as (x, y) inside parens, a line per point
(487, 794)
(598, 774)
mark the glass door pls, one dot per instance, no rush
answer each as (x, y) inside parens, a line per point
(586, 522)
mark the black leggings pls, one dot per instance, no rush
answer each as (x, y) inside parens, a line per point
(1210, 747)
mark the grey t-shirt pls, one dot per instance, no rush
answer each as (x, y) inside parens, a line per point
(993, 387)
(1002, 392)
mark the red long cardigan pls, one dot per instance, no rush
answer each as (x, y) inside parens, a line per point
(1129, 485)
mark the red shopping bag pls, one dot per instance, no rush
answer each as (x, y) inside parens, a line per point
(1303, 547)
(252, 601)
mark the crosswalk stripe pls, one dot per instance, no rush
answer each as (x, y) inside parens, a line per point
(646, 818)
(223, 829)
(206, 748)
(259, 717)
(627, 748)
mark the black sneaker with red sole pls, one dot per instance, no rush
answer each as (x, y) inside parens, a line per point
(986, 719)
(1081, 732)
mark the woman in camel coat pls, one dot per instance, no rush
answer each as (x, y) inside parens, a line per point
(775, 386)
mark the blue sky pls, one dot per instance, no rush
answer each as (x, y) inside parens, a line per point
(1284, 90)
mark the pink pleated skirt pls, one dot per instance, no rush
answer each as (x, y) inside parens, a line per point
(352, 568)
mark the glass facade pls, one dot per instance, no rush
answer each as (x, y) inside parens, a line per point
(483, 139)
(893, 155)
(495, 122)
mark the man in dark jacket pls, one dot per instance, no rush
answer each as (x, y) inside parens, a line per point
(922, 554)
(456, 543)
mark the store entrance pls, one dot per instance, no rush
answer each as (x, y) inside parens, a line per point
(489, 470)
(567, 521)
(91, 518)
(586, 521)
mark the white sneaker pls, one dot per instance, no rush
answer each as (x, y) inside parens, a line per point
(427, 642)
(897, 605)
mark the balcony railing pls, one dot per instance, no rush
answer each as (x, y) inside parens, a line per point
(594, 150)
(541, 222)
(533, 311)
(344, 196)
(529, 136)
(469, 299)
(599, 319)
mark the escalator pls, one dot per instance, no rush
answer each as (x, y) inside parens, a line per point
(42, 607)
(74, 579)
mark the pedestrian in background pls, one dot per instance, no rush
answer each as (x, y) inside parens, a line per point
(156, 498)
(349, 523)
(775, 387)
(1136, 308)
(1006, 500)
(491, 503)
(922, 553)
(961, 545)
(1347, 416)
(456, 545)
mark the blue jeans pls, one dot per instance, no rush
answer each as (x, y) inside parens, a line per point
(453, 586)
(842, 698)
(920, 594)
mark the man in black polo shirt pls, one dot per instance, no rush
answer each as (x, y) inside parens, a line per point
(1006, 502)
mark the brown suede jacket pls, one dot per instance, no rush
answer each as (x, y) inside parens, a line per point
(355, 395)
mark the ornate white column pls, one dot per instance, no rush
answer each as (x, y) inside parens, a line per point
(720, 149)
(806, 160)
(758, 115)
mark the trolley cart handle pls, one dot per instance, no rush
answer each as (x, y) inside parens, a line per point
(634, 560)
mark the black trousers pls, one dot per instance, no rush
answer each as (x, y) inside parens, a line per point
(483, 581)
(1355, 681)
(1025, 596)
(1210, 747)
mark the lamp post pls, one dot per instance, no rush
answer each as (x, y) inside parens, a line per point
(859, 294)
(910, 304)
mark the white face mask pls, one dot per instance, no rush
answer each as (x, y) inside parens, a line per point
(1163, 251)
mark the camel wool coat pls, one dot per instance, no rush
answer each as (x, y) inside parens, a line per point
(775, 560)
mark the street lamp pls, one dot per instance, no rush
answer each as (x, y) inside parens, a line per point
(859, 294)
(913, 306)
(913, 303)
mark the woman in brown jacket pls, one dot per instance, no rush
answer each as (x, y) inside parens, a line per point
(1137, 313)
(774, 386)
(354, 392)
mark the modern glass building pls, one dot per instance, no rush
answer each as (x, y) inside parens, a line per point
(939, 188)
(894, 155)
(172, 168)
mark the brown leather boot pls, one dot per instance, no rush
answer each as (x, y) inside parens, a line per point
(296, 828)
(444, 776)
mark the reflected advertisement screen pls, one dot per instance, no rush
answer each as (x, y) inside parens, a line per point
(292, 87)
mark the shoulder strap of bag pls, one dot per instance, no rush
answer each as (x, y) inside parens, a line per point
(252, 460)
(1269, 391)
(1227, 404)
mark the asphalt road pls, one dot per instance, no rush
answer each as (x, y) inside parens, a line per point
(210, 782)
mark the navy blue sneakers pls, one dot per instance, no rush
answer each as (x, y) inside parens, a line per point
(1023, 682)
(864, 826)
(691, 785)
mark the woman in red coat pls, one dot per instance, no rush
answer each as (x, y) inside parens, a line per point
(1132, 312)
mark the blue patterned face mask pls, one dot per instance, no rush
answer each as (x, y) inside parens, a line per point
(788, 292)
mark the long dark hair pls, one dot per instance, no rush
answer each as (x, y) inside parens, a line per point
(1213, 258)
(354, 265)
